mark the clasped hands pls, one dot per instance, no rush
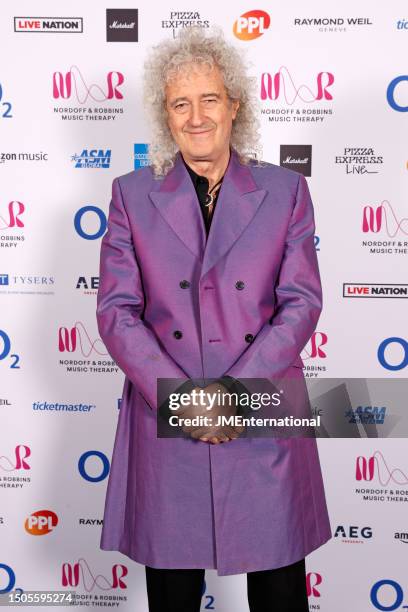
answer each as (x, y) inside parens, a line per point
(213, 433)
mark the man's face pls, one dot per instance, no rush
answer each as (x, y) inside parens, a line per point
(199, 112)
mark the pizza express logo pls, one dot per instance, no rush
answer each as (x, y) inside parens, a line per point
(359, 160)
(184, 19)
(122, 25)
(297, 157)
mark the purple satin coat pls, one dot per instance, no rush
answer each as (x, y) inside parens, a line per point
(252, 503)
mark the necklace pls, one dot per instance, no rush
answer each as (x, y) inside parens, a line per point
(209, 198)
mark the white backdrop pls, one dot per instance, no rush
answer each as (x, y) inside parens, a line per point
(59, 389)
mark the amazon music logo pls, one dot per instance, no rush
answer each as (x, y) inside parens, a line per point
(375, 470)
(11, 218)
(73, 86)
(80, 574)
(251, 25)
(314, 351)
(283, 88)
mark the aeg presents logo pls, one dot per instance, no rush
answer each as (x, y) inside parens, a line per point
(251, 25)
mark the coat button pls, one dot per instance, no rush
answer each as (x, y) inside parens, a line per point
(177, 334)
(184, 284)
(240, 284)
(249, 338)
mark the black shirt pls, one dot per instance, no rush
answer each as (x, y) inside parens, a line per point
(201, 185)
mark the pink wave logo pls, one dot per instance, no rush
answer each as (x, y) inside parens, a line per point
(77, 337)
(367, 468)
(375, 218)
(282, 83)
(80, 573)
(15, 209)
(314, 349)
(72, 82)
(21, 452)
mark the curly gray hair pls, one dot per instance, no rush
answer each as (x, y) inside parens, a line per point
(193, 45)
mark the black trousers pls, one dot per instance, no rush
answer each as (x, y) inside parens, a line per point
(275, 590)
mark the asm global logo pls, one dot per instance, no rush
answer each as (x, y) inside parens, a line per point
(367, 290)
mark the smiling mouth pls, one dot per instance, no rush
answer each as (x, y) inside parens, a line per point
(199, 133)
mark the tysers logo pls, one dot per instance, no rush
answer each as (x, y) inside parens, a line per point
(251, 25)
(41, 522)
(392, 88)
(73, 84)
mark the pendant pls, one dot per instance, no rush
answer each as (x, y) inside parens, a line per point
(208, 200)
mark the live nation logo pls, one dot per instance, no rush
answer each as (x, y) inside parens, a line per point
(292, 98)
(385, 230)
(380, 480)
(56, 25)
(359, 160)
(83, 100)
(122, 25)
(297, 157)
(376, 290)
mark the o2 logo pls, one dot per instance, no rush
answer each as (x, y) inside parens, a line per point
(396, 599)
(317, 242)
(102, 222)
(383, 359)
(10, 575)
(105, 466)
(5, 351)
(5, 112)
(391, 93)
(208, 600)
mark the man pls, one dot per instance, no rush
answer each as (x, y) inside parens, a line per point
(208, 271)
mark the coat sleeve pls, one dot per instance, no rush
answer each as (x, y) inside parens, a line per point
(298, 304)
(120, 304)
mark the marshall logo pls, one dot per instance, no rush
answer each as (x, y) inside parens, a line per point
(297, 157)
(122, 25)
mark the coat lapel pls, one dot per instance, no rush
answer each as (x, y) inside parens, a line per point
(238, 200)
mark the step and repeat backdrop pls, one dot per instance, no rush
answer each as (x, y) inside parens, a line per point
(332, 84)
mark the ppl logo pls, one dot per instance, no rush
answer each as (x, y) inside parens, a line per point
(21, 452)
(251, 25)
(388, 595)
(92, 158)
(398, 347)
(74, 574)
(383, 217)
(282, 84)
(314, 349)
(73, 84)
(77, 337)
(15, 209)
(6, 107)
(367, 468)
(41, 522)
(78, 221)
(313, 580)
(395, 86)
